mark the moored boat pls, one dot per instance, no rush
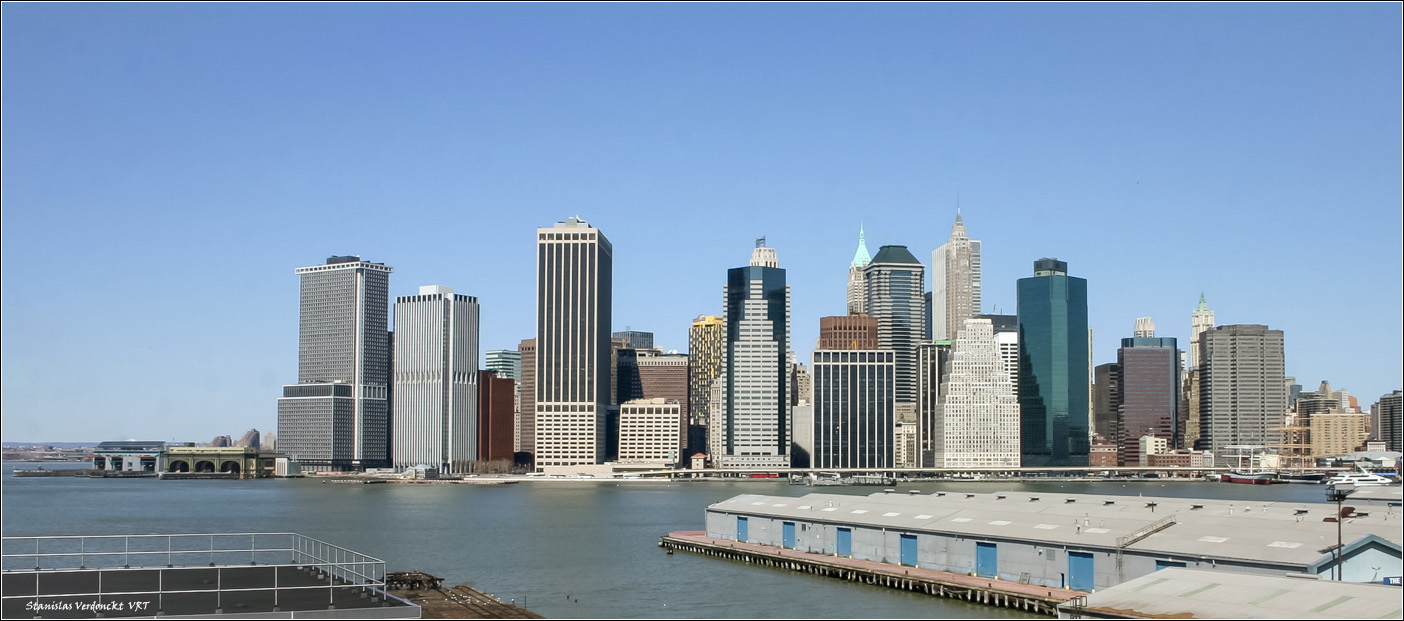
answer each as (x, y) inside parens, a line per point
(1253, 478)
(1303, 477)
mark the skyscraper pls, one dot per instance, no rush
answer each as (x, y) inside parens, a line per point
(1054, 379)
(525, 432)
(896, 284)
(755, 411)
(1201, 319)
(857, 287)
(1242, 396)
(955, 282)
(1148, 390)
(853, 408)
(932, 357)
(1389, 420)
(574, 263)
(436, 380)
(506, 362)
(977, 421)
(706, 341)
(336, 416)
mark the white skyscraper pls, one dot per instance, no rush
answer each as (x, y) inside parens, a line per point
(574, 268)
(955, 282)
(978, 421)
(1201, 320)
(436, 380)
(752, 424)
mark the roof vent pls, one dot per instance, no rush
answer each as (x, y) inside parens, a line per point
(1033, 498)
(889, 491)
(1108, 502)
(999, 496)
(970, 495)
(1068, 501)
(1301, 512)
(1196, 507)
(940, 494)
(913, 491)
(1151, 506)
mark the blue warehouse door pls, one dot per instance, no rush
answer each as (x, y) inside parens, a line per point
(743, 530)
(1159, 565)
(845, 542)
(788, 536)
(986, 560)
(909, 550)
(1082, 573)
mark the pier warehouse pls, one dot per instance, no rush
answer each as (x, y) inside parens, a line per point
(1083, 542)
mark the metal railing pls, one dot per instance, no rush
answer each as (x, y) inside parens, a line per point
(339, 568)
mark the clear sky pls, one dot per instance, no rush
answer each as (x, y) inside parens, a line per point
(166, 168)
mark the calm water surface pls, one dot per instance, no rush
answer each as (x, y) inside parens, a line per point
(566, 549)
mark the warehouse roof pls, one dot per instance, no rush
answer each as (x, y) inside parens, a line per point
(1277, 532)
(1179, 593)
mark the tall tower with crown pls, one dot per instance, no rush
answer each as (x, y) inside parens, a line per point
(955, 282)
(857, 290)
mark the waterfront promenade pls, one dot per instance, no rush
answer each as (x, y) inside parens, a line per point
(989, 591)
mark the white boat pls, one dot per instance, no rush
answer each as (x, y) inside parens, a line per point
(1360, 479)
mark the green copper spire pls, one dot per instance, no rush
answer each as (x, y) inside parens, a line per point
(1202, 305)
(861, 258)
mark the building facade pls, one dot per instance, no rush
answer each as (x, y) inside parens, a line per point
(1242, 396)
(635, 339)
(1201, 320)
(932, 357)
(857, 331)
(573, 309)
(506, 362)
(525, 422)
(1148, 392)
(1106, 394)
(1054, 377)
(755, 390)
(648, 431)
(1388, 419)
(955, 282)
(977, 421)
(706, 344)
(337, 416)
(436, 380)
(496, 432)
(854, 406)
(896, 299)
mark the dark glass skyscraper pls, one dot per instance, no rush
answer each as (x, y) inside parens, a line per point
(1148, 393)
(1053, 373)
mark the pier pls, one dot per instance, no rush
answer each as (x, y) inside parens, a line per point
(988, 591)
(460, 602)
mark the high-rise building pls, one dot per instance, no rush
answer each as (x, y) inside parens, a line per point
(932, 357)
(896, 284)
(1242, 398)
(506, 362)
(1201, 319)
(755, 412)
(665, 376)
(526, 401)
(1054, 378)
(574, 264)
(977, 421)
(436, 380)
(495, 417)
(337, 416)
(635, 339)
(1006, 330)
(854, 408)
(1388, 419)
(955, 282)
(857, 286)
(1106, 394)
(706, 342)
(1148, 390)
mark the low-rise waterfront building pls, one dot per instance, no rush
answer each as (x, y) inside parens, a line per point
(1078, 541)
(130, 456)
(1182, 593)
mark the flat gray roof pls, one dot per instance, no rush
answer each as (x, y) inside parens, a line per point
(1274, 532)
(1179, 593)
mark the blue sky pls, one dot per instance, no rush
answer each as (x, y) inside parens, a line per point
(166, 168)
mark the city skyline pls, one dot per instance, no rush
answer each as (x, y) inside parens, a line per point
(151, 147)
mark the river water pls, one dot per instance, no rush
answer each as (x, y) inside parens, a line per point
(561, 548)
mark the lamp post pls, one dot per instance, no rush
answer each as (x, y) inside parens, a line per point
(1338, 493)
